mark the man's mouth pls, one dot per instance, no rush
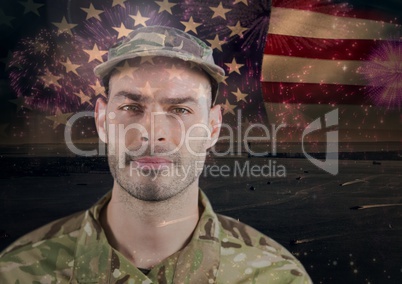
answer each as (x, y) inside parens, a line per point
(152, 162)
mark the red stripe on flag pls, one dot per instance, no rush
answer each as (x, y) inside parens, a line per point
(305, 93)
(336, 49)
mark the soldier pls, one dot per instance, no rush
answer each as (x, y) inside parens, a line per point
(156, 225)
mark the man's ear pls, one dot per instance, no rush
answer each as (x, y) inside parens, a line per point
(215, 122)
(100, 119)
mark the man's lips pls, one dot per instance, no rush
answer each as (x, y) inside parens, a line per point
(152, 161)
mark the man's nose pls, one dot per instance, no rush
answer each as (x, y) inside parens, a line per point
(159, 127)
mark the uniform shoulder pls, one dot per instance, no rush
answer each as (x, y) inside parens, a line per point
(58, 228)
(248, 235)
(256, 256)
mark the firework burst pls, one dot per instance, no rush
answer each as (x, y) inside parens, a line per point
(383, 71)
(35, 73)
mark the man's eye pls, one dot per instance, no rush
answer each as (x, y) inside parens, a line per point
(180, 110)
(130, 108)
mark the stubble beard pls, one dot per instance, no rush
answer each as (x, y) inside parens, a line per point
(150, 185)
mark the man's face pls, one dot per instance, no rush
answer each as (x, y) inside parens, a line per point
(158, 126)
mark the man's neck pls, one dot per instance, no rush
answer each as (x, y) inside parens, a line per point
(148, 232)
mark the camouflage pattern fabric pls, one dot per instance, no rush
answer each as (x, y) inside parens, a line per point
(75, 250)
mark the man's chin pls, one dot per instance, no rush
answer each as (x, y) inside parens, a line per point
(149, 193)
(150, 186)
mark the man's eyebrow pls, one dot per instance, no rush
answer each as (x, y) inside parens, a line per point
(176, 101)
(132, 96)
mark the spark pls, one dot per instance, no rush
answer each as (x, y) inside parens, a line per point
(353, 182)
(374, 206)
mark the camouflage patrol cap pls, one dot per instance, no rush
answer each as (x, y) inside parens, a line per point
(165, 42)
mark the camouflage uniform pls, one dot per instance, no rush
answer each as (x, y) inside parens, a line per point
(75, 250)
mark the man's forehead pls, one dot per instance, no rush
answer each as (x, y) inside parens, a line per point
(128, 89)
(142, 76)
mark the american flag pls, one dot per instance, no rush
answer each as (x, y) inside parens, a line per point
(312, 56)
(321, 55)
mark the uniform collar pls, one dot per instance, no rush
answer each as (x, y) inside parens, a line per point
(97, 262)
